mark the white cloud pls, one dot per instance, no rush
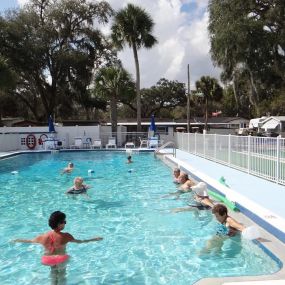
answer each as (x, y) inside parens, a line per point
(22, 2)
(182, 39)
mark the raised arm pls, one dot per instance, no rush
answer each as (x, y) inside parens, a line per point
(86, 186)
(34, 240)
(23, 240)
(234, 224)
(86, 240)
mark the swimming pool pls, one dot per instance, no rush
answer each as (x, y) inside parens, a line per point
(143, 242)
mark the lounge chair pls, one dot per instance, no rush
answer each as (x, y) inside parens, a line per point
(111, 143)
(86, 142)
(130, 145)
(143, 143)
(97, 143)
(77, 143)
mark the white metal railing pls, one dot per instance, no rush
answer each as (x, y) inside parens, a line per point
(157, 151)
(260, 156)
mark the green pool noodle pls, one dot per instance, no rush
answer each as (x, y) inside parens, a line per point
(223, 199)
(222, 180)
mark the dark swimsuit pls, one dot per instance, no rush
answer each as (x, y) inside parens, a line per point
(199, 205)
(77, 191)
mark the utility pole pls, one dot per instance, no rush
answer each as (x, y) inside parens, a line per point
(188, 101)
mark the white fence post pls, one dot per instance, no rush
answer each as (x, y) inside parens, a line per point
(277, 159)
(215, 147)
(188, 142)
(229, 150)
(204, 144)
(195, 143)
(248, 153)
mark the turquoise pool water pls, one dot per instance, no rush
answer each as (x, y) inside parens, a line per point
(144, 243)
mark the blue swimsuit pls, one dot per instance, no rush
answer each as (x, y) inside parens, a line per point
(222, 230)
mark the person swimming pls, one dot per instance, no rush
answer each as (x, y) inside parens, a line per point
(176, 174)
(230, 226)
(129, 159)
(78, 187)
(227, 227)
(69, 168)
(186, 182)
(201, 196)
(54, 243)
(201, 199)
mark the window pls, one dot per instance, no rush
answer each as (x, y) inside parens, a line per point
(162, 130)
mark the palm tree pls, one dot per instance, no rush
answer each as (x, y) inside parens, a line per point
(114, 83)
(211, 90)
(133, 26)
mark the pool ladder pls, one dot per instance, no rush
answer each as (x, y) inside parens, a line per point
(157, 151)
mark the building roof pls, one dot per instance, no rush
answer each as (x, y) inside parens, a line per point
(182, 122)
(271, 122)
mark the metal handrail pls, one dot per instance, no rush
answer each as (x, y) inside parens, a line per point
(157, 151)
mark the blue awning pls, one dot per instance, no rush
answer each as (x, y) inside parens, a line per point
(50, 125)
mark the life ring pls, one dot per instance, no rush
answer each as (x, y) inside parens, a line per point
(31, 141)
(40, 140)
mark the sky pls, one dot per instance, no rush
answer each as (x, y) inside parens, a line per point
(181, 31)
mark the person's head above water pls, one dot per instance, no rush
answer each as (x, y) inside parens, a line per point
(183, 177)
(78, 180)
(56, 218)
(129, 158)
(220, 209)
(176, 172)
(70, 165)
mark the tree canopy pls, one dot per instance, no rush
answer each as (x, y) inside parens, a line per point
(54, 46)
(211, 90)
(165, 95)
(247, 41)
(114, 84)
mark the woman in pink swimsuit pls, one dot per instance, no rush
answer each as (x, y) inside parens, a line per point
(54, 243)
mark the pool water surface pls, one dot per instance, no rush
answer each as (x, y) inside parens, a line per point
(144, 242)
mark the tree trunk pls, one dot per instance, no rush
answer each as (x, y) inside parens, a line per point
(114, 121)
(137, 88)
(253, 94)
(235, 91)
